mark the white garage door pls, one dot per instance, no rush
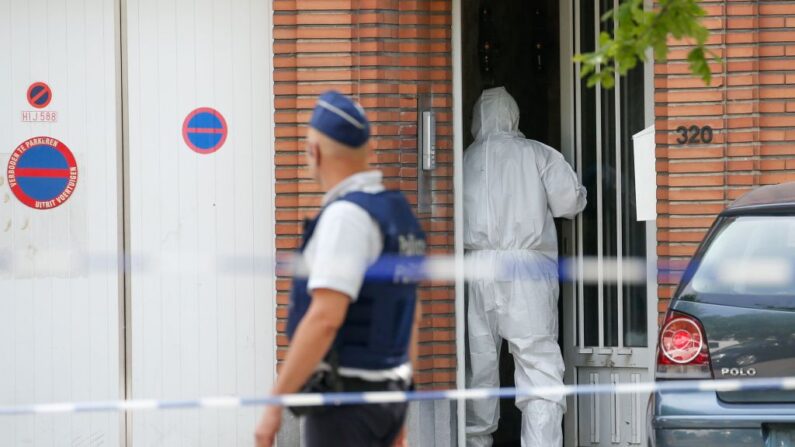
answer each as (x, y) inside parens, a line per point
(201, 66)
(59, 319)
(140, 132)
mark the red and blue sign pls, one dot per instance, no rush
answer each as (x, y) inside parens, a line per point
(204, 130)
(42, 173)
(39, 95)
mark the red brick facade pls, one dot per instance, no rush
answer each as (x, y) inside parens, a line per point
(751, 107)
(386, 52)
(383, 53)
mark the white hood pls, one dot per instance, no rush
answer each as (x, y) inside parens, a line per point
(495, 112)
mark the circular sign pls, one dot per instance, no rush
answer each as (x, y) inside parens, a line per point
(204, 130)
(42, 173)
(39, 95)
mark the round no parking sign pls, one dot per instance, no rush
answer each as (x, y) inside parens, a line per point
(204, 130)
(42, 173)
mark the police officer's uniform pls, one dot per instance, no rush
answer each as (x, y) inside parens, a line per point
(361, 223)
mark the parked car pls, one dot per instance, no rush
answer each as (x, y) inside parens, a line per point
(732, 316)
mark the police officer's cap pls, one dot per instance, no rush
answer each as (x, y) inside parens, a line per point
(341, 119)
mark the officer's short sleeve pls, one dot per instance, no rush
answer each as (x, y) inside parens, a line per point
(346, 242)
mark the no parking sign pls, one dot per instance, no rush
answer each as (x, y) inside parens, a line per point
(204, 130)
(39, 95)
(42, 173)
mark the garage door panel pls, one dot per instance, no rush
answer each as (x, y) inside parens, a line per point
(205, 328)
(59, 302)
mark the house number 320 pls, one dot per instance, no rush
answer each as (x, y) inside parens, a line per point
(694, 134)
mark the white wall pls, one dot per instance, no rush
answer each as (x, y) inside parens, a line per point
(197, 327)
(59, 319)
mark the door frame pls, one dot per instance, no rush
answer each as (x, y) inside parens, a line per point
(458, 219)
(567, 98)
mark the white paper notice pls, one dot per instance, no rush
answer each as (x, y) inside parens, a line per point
(645, 174)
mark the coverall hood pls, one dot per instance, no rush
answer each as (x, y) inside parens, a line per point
(495, 112)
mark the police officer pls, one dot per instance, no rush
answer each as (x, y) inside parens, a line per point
(349, 331)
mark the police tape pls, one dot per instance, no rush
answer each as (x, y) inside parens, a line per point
(444, 268)
(476, 265)
(381, 397)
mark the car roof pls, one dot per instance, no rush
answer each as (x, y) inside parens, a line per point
(771, 198)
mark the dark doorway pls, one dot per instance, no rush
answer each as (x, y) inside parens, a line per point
(513, 44)
(523, 57)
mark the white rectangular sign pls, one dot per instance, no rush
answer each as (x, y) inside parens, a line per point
(645, 174)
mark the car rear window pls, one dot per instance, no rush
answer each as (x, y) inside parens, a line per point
(748, 255)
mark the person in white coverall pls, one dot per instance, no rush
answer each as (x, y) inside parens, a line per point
(513, 189)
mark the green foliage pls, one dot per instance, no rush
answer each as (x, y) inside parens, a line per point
(637, 30)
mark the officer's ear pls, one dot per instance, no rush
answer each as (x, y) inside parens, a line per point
(312, 150)
(316, 153)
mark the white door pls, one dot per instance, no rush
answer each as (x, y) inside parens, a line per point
(200, 194)
(60, 306)
(155, 153)
(608, 324)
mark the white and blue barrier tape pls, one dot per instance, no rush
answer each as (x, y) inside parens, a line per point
(350, 398)
(444, 268)
(501, 266)
(495, 265)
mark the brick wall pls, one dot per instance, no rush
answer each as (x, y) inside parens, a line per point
(383, 53)
(751, 107)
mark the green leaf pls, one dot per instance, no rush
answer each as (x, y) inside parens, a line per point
(637, 30)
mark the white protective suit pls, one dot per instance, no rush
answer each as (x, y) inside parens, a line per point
(513, 188)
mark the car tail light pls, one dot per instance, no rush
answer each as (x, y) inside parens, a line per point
(682, 351)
